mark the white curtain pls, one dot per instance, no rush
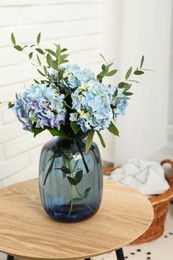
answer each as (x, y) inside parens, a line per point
(140, 27)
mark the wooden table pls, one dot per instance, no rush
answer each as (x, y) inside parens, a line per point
(27, 231)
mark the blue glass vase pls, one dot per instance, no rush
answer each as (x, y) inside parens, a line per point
(70, 180)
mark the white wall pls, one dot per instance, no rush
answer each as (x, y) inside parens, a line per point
(146, 29)
(76, 24)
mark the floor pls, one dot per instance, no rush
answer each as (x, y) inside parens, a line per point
(159, 249)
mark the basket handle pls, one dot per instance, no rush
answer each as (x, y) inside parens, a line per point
(107, 171)
(167, 161)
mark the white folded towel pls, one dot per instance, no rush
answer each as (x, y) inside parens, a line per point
(145, 176)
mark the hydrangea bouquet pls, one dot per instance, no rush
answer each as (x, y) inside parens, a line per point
(71, 101)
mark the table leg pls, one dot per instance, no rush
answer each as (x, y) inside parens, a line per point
(10, 257)
(120, 254)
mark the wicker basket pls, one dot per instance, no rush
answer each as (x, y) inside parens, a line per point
(160, 205)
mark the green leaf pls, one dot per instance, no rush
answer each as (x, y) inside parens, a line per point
(10, 105)
(128, 73)
(45, 70)
(58, 50)
(40, 51)
(65, 170)
(89, 140)
(44, 81)
(127, 86)
(51, 62)
(78, 176)
(18, 47)
(102, 74)
(127, 93)
(74, 127)
(110, 64)
(59, 133)
(41, 73)
(54, 65)
(60, 74)
(103, 67)
(38, 38)
(121, 85)
(101, 139)
(116, 92)
(25, 47)
(13, 39)
(138, 72)
(39, 61)
(51, 52)
(105, 71)
(142, 61)
(37, 131)
(99, 78)
(111, 73)
(103, 57)
(63, 50)
(30, 55)
(71, 180)
(64, 56)
(63, 61)
(36, 81)
(86, 192)
(112, 128)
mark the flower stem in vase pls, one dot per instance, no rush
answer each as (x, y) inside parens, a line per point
(71, 186)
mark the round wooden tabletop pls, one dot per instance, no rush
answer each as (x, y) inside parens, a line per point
(27, 231)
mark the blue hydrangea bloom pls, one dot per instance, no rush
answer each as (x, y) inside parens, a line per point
(92, 102)
(74, 76)
(120, 104)
(40, 106)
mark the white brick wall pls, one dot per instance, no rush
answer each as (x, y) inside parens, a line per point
(75, 24)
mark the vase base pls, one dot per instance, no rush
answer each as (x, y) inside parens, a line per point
(78, 213)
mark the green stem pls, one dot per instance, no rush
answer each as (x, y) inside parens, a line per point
(71, 188)
(82, 198)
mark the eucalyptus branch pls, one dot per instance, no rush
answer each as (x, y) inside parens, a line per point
(106, 72)
(52, 58)
(83, 199)
(71, 187)
(125, 85)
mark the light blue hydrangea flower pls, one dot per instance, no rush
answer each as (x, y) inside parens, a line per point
(40, 106)
(119, 104)
(74, 76)
(92, 102)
